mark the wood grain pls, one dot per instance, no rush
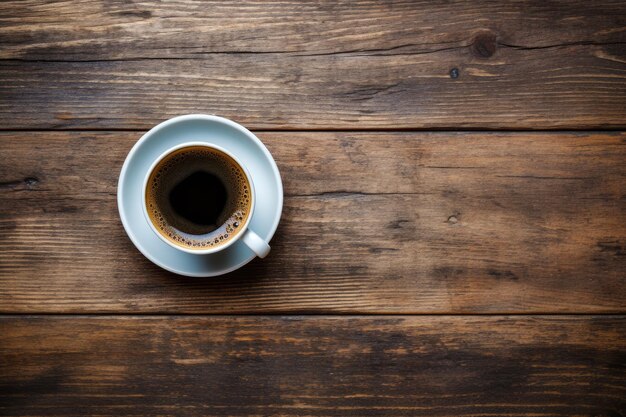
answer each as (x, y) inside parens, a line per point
(315, 366)
(98, 30)
(314, 65)
(373, 223)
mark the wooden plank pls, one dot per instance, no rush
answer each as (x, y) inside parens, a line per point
(376, 223)
(94, 29)
(294, 65)
(573, 87)
(313, 366)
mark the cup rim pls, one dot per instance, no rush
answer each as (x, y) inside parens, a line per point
(204, 251)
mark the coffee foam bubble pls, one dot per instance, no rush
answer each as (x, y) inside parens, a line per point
(179, 165)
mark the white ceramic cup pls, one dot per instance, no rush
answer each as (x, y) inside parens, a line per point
(247, 236)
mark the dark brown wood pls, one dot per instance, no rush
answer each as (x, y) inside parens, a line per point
(376, 223)
(97, 30)
(323, 65)
(313, 366)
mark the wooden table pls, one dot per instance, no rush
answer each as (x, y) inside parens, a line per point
(452, 241)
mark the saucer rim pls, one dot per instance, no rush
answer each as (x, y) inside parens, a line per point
(184, 118)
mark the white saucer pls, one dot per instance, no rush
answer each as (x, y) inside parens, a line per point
(221, 132)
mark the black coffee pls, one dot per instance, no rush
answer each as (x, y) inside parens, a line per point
(198, 197)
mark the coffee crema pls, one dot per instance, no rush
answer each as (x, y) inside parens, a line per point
(198, 197)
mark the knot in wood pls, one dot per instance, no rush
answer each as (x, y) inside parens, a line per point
(484, 44)
(31, 181)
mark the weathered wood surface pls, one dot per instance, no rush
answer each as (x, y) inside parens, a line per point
(313, 366)
(94, 29)
(314, 65)
(375, 223)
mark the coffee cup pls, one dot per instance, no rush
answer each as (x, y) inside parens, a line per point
(199, 198)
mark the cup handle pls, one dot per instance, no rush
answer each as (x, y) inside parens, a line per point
(254, 242)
